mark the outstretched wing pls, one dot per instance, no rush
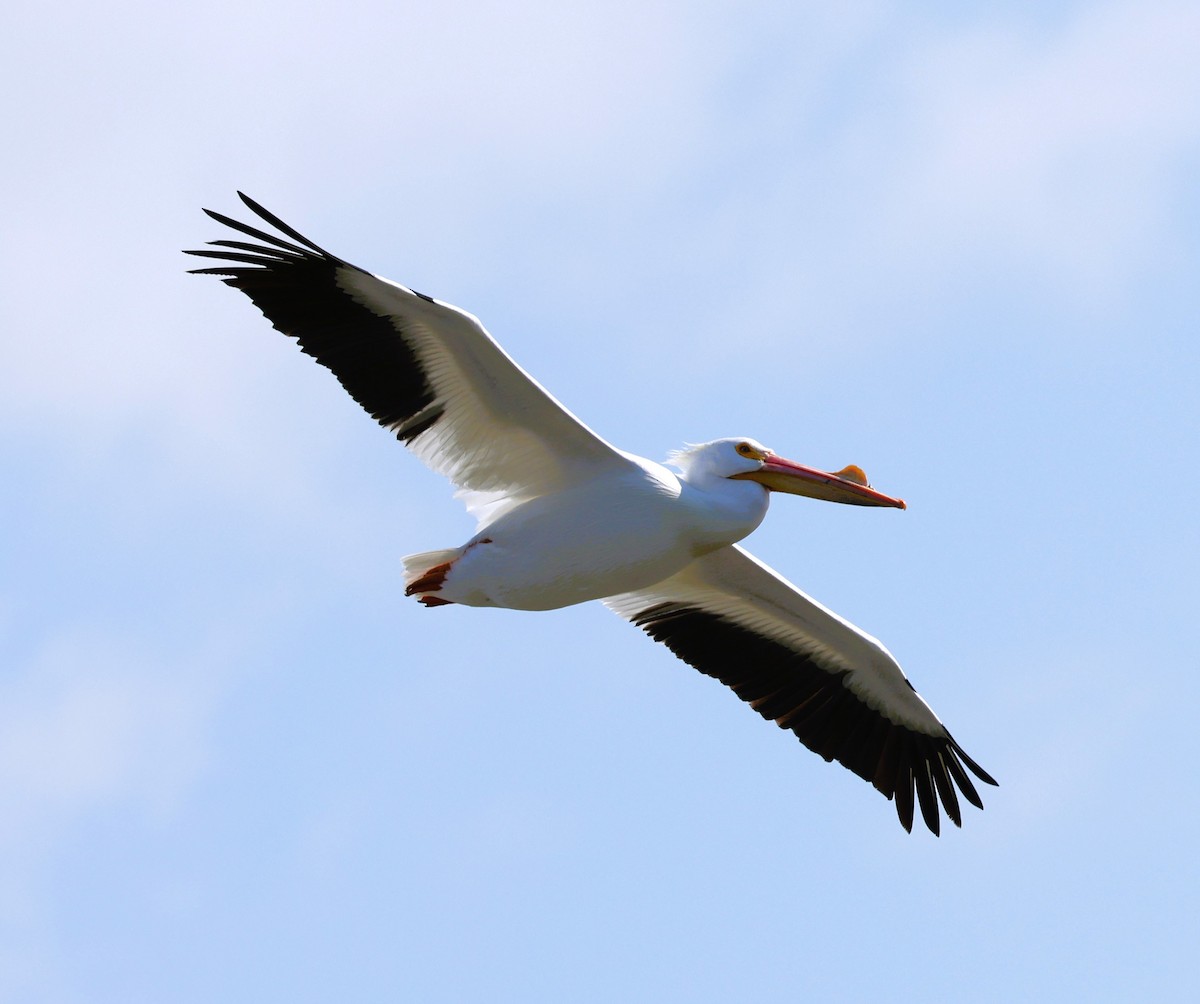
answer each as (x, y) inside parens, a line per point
(423, 369)
(802, 666)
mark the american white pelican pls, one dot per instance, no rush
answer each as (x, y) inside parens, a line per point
(564, 517)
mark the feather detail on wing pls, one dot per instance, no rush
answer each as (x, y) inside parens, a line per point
(426, 370)
(806, 669)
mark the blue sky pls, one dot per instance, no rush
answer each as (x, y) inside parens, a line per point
(953, 245)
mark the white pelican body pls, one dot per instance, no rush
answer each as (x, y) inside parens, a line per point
(624, 530)
(564, 517)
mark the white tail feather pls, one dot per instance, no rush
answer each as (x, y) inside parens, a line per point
(416, 565)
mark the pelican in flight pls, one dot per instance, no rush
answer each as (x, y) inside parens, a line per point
(564, 517)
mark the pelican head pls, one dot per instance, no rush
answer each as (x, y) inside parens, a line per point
(744, 459)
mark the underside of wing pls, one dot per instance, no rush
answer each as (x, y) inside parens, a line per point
(809, 671)
(426, 370)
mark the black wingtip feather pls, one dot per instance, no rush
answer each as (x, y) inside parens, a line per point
(297, 287)
(963, 780)
(240, 257)
(925, 795)
(278, 224)
(904, 797)
(283, 253)
(978, 771)
(945, 787)
(258, 235)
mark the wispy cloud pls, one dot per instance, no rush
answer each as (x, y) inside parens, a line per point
(95, 721)
(986, 153)
(1066, 153)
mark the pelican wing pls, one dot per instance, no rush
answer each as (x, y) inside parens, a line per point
(426, 370)
(806, 669)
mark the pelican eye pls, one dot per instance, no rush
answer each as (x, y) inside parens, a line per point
(746, 450)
